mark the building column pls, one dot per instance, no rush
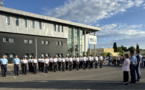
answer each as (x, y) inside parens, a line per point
(36, 48)
(85, 42)
(94, 45)
(90, 46)
(73, 33)
(79, 44)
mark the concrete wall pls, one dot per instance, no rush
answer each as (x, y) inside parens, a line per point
(47, 28)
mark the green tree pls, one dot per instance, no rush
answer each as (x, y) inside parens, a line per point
(137, 47)
(109, 54)
(103, 54)
(115, 47)
(124, 48)
(132, 48)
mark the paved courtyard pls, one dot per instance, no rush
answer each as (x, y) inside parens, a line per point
(107, 78)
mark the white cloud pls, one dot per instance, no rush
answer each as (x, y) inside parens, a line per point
(123, 34)
(89, 11)
(143, 6)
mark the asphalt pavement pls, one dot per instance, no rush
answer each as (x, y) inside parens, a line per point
(106, 78)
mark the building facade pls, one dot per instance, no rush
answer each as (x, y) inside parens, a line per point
(28, 34)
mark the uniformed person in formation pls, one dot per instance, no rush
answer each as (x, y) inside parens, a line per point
(42, 64)
(80, 64)
(4, 64)
(51, 63)
(92, 61)
(74, 62)
(59, 63)
(70, 63)
(39, 64)
(96, 61)
(89, 61)
(16, 63)
(35, 65)
(101, 61)
(30, 64)
(66, 62)
(55, 64)
(46, 61)
(63, 63)
(84, 62)
(24, 63)
(77, 63)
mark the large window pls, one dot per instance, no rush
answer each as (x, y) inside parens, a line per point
(17, 21)
(42, 42)
(26, 41)
(40, 25)
(57, 43)
(8, 20)
(30, 41)
(58, 28)
(54, 26)
(5, 39)
(11, 40)
(25, 20)
(70, 42)
(33, 24)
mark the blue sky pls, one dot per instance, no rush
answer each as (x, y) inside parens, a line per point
(121, 21)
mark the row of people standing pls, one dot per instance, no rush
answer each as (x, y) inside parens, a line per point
(132, 65)
(51, 64)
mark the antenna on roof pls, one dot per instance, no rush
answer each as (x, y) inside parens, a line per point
(1, 2)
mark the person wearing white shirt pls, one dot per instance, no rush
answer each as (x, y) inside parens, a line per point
(42, 64)
(35, 65)
(51, 60)
(39, 64)
(24, 64)
(70, 63)
(77, 63)
(59, 63)
(126, 69)
(74, 62)
(100, 61)
(63, 63)
(46, 61)
(66, 62)
(89, 61)
(81, 62)
(96, 61)
(55, 64)
(30, 64)
(84, 62)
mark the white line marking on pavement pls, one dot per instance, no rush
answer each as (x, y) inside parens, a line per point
(11, 73)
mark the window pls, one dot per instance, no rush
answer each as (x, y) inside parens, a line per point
(25, 41)
(11, 40)
(47, 55)
(12, 55)
(54, 27)
(26, 55)
(40, 26)
(33, 24)
(57, 43)
(60, 43)
(30, 41)
(5, 39)
(31, 55)
(17, 21)
(42, 42)
(6, 55)
(62, 28)
(8, 20)
(42, 55)
(46, 42)
(25, 22)
(58, 28)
